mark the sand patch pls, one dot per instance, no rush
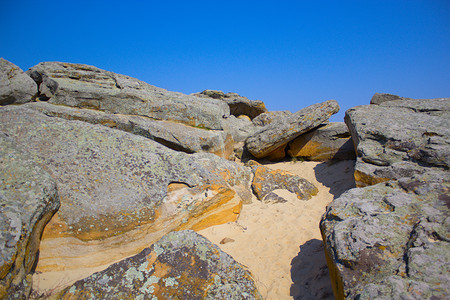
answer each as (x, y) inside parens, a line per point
(280, 243)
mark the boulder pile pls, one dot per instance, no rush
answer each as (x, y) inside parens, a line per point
(105, 179)
(389, 238)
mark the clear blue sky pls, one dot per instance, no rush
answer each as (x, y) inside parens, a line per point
(290, 54)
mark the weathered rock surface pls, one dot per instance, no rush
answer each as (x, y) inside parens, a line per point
(15, 86)
(112, 182)
(329, 141)
(90, 87)
(266, 180)
(182, 265)
(391, 240)
(270, 116)
(238, 105)
(276, 134)
(379, 98)
(239, 129)
(28, 199)
(411, 137)
(176, 136)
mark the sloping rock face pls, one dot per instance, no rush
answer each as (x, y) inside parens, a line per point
(391, 240)
(238, 105)
(173, 135)
(28, 199)
(279, 133)
(182, 265)
(412, 136)
(111, 182)
(330, 141)
(266, 180)
(15, 86)
(270, 116)
(86, 86)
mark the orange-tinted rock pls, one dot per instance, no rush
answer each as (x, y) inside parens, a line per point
(182, 265)
(330, 141)
(267, 180)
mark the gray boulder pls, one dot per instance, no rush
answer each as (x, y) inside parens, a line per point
(379, 98)
(238, 105)
(182, 265)
(266, 180)
(270, 116)
(86, 86)
(391, 240)
(176, 136)
(28, 199)
(397, 139)
(112, 182)
(15, 86)
(328, 141)
(279, 133)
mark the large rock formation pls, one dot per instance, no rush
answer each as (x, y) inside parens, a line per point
(28, 199)
(176, 136)
(90, 87)
(329, 141)
(399, 138)
(279, 133)
(238, 105)
(391, 240)
(182, 265)
(15, 86)
(119, 190)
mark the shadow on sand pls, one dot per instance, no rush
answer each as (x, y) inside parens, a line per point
(309, 273)
(336, 175)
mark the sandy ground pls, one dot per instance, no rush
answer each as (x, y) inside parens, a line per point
(281, 243)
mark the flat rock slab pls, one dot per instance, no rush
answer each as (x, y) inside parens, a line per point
(182, 265)
(278, 133)
(391, 240)
(399, 138)
(270, 117)
(15, 86)
(326, 142)
(90, 87)
(118, 190)
(238, 105)
(176, 136)
(266, 180)
(28, 199)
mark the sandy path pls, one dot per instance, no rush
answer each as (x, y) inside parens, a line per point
(281, 243)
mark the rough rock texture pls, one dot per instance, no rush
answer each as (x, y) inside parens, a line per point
(239, 129)
(330, 141)
(28, 199)
(238, 105)
(90, 87)
(182, 265)
(15, 86)
(399, 138)
(379, 98)
(111, 182)
(270, 116)
(391, 240)
(266, 180)
(176, 136)
(274, 135)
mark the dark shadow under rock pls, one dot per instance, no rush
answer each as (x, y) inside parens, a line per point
(309, 273)
(336, 175)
